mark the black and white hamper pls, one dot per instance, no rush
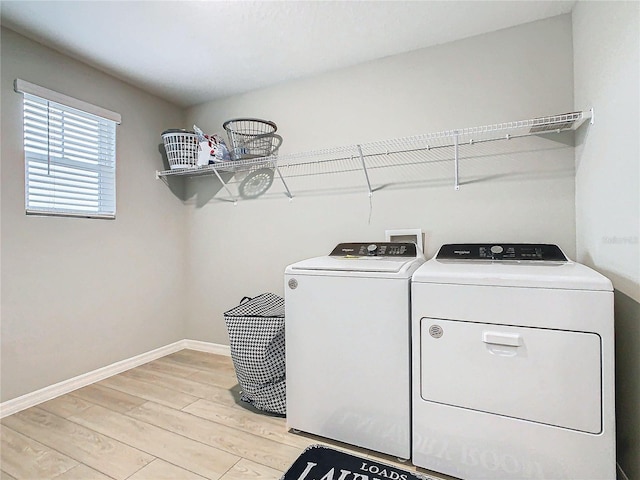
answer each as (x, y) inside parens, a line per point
(256, 337)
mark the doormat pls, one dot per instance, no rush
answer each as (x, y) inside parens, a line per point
(318, 462)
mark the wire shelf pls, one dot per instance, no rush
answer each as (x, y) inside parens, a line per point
(228, 166)
(391, 153)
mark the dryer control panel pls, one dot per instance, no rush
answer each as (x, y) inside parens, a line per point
(501, 251)
(378, 249)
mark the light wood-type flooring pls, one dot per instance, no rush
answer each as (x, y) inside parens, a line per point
(178, 417)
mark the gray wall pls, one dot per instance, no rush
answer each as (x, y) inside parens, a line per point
(513, 74)
(79, 294)
(607, 57)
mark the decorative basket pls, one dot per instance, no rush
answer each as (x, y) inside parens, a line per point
(252, 138)
(182, 148)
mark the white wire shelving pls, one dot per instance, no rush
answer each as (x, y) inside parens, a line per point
(387, 153)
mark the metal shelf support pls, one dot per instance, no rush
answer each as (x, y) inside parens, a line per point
(364, 168)
(224, 184)
(284, 183)
(456, 183)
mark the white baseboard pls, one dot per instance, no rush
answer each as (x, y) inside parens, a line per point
(208, 347)
(32, 399)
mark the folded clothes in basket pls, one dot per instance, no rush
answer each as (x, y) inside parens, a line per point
(212, 148)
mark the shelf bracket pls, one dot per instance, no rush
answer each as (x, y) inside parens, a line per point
(364, 167)
(235, 200)
(164, 178)
(284, 183)
(456, 185)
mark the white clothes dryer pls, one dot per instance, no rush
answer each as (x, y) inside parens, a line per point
(512, 365)
(347, 329)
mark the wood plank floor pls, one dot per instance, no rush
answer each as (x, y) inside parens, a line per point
(178, 417)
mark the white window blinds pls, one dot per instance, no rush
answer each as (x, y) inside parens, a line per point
(70, 160)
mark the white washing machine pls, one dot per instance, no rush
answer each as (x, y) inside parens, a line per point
(512, 365)
(347, 318)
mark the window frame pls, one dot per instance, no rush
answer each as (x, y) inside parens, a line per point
(48, 99)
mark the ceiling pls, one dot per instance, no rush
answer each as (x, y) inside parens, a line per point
(190, 52)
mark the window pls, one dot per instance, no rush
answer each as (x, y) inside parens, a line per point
(70, 155)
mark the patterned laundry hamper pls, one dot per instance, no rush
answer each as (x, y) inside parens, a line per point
(256, 336)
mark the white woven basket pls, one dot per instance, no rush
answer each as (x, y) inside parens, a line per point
(182, 149)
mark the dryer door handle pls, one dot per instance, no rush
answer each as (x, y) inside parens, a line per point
(499, 338)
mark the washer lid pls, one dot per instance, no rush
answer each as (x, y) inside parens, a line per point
(353, 264)
(509, 273)
(353, 258)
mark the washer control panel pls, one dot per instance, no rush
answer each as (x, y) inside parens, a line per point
(378, 249)
(501, 251)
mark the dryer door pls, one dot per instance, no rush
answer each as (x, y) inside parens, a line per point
(542, 375)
